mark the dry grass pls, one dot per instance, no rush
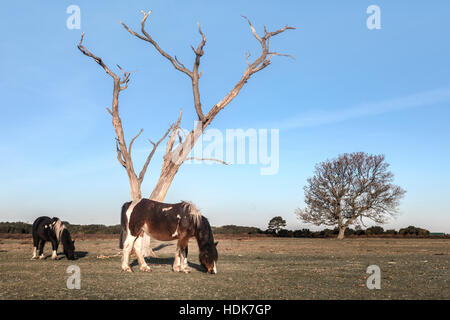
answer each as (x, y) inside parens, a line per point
(249, 268)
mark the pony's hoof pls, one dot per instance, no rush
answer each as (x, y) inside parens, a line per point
(33, 258)
(187, 271)
(146, 269)
(41, 257)
(128, 269)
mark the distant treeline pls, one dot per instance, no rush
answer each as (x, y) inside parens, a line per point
(21, 227)
(411, 231)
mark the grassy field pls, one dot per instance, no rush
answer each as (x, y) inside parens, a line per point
(248, 268)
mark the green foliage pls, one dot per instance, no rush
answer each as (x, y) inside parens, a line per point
(349, 232)
(232, 229)
(374, 230)
(411, 230)
(303, 233)
(276, 224)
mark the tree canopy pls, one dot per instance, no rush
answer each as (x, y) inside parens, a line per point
(351, 187)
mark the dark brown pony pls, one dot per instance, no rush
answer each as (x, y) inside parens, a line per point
(166, 222)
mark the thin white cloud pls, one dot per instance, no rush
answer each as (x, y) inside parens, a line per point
(322, 117)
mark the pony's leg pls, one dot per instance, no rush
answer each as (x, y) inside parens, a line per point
(183, 259)
(146, 248)
(138, 248)
(184, 252)
(54, 250)
(34, 253)
(35, 247)
(177, 261)
(180, 262)
(127, 247)
(41, 249)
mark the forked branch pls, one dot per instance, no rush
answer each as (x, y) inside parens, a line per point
(150, 156)
(193, 74)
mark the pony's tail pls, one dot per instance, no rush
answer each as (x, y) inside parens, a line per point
(123, 224)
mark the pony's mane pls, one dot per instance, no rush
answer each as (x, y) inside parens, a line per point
(193, 211)
(58, 227)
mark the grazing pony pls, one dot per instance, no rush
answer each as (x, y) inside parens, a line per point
(53, 230)
(166, 222)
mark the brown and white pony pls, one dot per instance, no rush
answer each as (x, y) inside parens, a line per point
(166, 222)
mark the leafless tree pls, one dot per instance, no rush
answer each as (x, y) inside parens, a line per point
(353, 186)
(176, 155)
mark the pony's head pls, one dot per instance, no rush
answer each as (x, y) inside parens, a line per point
(208, 257)
(207, 247)
(68, 244)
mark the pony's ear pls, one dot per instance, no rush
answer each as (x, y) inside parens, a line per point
(216, 243)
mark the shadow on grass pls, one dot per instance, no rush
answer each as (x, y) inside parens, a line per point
(81, 254)
(162, 246)
(78, 255)
(166, 261)
(61, 256)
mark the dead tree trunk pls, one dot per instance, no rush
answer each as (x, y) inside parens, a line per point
(174, 158)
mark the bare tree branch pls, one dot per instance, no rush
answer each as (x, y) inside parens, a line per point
(150, 156)
(173, 134)
(208, 159)
(196, 76)
(97, 59)
(132, 141)
(146, 37)
(258, 64)
(120, 155)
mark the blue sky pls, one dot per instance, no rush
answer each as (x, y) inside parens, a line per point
(349, 89)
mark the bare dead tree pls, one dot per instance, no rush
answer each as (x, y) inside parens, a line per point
(175, 156)
(353, 186)
(124, 152)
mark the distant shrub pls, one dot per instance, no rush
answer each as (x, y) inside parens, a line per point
(93, 228)
(349, 232)
(327, 233)
(233, 229)
(391, 232)
(374, 230)
(411, 230)
(285, 233)
(303, 233)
